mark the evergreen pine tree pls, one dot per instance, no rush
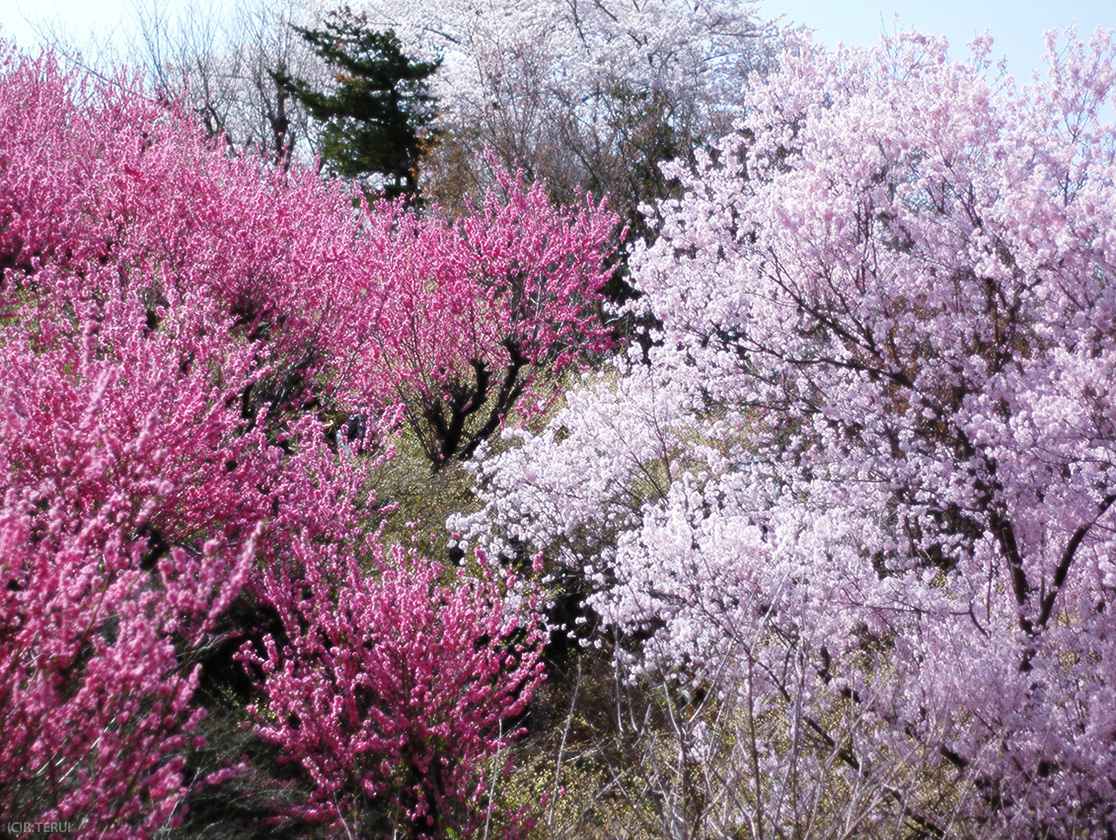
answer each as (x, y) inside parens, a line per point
(377, 117)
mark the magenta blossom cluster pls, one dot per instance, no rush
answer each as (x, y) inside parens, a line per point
(396, 692)
(466, 314)
(187, 338)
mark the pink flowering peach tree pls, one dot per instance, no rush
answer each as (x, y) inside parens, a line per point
(879, 418)
(468, 314)
(184, 344)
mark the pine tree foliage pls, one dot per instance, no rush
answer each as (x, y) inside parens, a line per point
(376, 119)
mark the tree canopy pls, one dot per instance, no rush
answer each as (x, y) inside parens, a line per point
(829, 550)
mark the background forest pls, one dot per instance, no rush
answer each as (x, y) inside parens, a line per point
(590, 420)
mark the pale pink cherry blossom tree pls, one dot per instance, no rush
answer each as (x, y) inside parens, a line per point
(586, 96)
(896, 278)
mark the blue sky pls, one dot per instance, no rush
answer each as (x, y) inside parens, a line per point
(84, 21)
(79, 19)
(1017, 26)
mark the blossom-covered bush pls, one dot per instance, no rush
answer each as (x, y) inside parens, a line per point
(369, 309)
(396, 692)
(881, 403)
(138, 489)
(110, 571)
